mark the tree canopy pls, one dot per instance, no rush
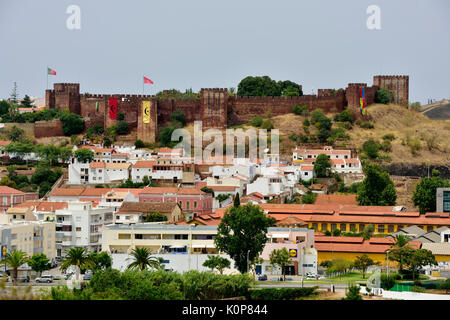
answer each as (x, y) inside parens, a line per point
(424, 195)
(262, 86)
(377, 189)
(322, 166)
(242, 234)
(217, 262)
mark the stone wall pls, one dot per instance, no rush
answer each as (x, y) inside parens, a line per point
(52, 128)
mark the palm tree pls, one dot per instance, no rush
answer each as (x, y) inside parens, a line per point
(143, 259)
(14, 260)
(77, 257)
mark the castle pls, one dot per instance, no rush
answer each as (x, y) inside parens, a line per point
(216, 108)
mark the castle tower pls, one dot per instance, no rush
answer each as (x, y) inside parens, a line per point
(65, 96)
(214, 103)
(399, 85)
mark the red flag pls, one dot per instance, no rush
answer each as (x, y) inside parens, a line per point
(113, 108)
(147, 80)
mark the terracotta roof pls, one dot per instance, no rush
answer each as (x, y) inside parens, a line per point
(307, 168)
(113, 166)
(4, 143)
(335, 199)
(291, 220)
(47, 206)
(337, 161)
(366, 246)
(8, 190)
(94, 192)
(352, 160)
(338, 239)
(144, 164)
(148, 207)
(67, 192)
(223, 188)
(97, 165)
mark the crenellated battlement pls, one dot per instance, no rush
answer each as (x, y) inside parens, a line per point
(213, 106)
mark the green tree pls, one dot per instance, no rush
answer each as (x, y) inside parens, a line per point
(256, 121)
(424, 195)
(371, 148)
(84, 155)
(322, 166)
(445, 285)
(71, 123)
(101, 260)
(122, 128)
(346, 116)
(377, 189)
(26, 102)
(49, 152)
(217, 262)
(4, 107)
(242, 234)
(165, 136)
(155, 216)
(309, 198)
(16, 134)
(39, 263)
(420, 258)
(384, 96)
(281, 258)
(237, 201)
(14, 260)
(139, 144)
(5, 181)
(120, 116)
(300, 110)
(14, 95)
(362, 263)
(178, 115)
(353, 293)
(19, 148)
(79, 258)
(142, 259)
(400, 251)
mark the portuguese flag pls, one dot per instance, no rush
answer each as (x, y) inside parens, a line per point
(51, 71)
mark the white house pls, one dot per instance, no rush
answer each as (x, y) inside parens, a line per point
(305, 154)
(352, 165)
(80, 225)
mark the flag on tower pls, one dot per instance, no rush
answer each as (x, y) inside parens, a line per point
(147, 80)
(51, 71)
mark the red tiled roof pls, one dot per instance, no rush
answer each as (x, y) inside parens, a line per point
(8, 190)
(223, 188)
(335, 199)
(307, 168)
(95, 192)
(4, 143)
(67, 192)
(46, 206)
(367, 246)
(97, 165)
(144, 164)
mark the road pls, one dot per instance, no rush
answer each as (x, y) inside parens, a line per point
(340, 286)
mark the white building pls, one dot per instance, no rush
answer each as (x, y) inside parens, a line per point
(305, 154)
(81, 225)
(352, 165)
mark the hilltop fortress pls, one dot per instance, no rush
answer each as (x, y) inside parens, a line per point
(216, 108)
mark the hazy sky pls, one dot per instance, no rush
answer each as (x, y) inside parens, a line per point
(208, 43)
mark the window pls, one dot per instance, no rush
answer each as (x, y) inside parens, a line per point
(390, 228)
(324, 226)
(343, 227)
(195, 204)
(314, 226)
(333, 226)
(446, 201)
(78, 229)
(352, 227)
(187, 205)
(429, 228)
(381, 228)
(125, 236)
(399, 227)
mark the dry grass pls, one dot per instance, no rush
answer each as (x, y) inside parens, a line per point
(408, 127)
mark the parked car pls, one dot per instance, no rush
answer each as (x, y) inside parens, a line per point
(87, 276)
(262, 277)
(45, 278)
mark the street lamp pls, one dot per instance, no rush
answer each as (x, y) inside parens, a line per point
(387, 263)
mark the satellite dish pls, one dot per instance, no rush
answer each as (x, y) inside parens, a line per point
(266, 150)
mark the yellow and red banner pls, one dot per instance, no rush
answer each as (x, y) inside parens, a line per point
(146, 105)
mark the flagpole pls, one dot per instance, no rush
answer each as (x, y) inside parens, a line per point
(142, 84)
(47, 78)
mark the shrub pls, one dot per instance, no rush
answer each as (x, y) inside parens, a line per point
(389, 136)
(353, 293)
(346, 116)
(178, 115)
(299, 109)
(384, 96)
(71, 123)
(370, 148)
(267, 124)
(280, 293)
(417, 289)
(386, 146)
(139, 144)
(414, 145)
(256, 121)
(388, 282)
(366, 125)
(122, 127)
